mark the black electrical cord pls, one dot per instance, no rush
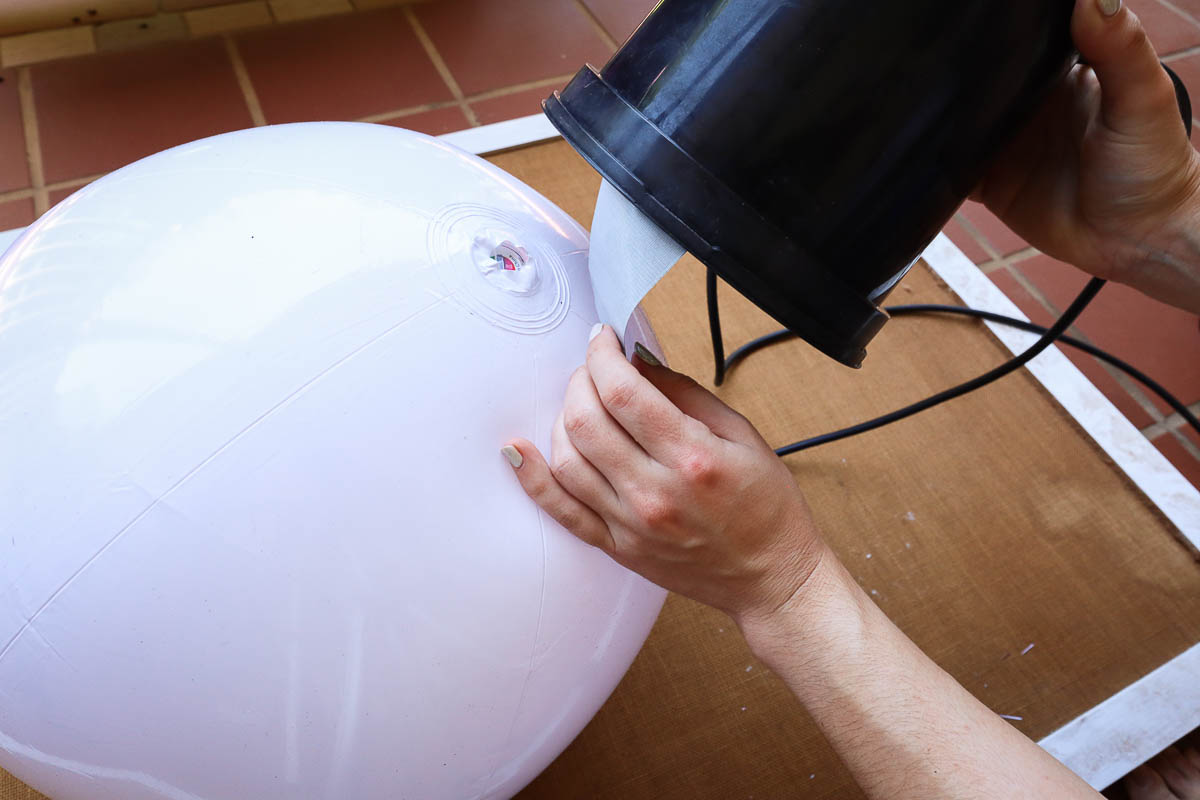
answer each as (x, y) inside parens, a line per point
(1048, 337)
(1174, 402)
(929, 308)
(1069, 316)
(714, 327)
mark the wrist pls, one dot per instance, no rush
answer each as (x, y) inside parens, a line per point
(824, 609)
(1166, 263)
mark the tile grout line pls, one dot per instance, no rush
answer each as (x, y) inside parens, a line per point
(1131, 387)
(244, 83)
(400, 113)
(1188, 447)
(998, 260)
(1024, 254)
(440, 65)
(1182, 12)
(1171, 424)
(33, 142)
(605, 36)
(975, 233)
(16, 194)
(1008, 263)
(1035, 292)
(73, 183)
(1179, 55)
(491, 94)
(1011, 260)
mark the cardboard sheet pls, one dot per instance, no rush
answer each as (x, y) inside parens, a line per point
(991, 524)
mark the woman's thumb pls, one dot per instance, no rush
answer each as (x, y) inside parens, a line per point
(1134, 88)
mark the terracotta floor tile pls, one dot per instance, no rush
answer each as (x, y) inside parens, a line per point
(1191, 434)
(343, 67)
(620, 17)
(966, 242)
(1184, 461)
(511, 106)
(1191, 7)
(1188, 69)
(14, 166)
(16, 214)
(1003, 240)
(434, 123)
(489, 44)
(1169, 30)
(58, 195)
(1088, 365)
(1160, 340)
(101, 112)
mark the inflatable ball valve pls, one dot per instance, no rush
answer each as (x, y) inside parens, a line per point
(808, 151)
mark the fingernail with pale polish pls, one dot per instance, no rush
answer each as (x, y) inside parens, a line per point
(599, 326)
(645, 355)
(1109, 7)
(513, 455)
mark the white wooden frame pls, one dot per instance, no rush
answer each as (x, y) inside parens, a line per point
(1130, 727)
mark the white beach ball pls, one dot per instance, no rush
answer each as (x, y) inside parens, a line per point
(256, 537)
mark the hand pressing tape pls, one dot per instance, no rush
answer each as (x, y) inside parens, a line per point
(629, 255)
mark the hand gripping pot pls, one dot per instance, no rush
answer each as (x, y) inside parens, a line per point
(808, 151)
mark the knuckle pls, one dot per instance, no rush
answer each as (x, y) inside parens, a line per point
(569, 518)
(583, 527)
(655, 510)
(1132, 36)
(630, 548)
(543, 493)
(540, 488)
(619, 395)
(561, 468)
(577, 422)
(580, 374)
(700, 468)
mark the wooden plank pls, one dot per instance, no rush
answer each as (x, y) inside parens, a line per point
(1135, 724)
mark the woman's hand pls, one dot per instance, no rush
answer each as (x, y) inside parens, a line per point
(672, 483)
(654, 470)
(1104, 177)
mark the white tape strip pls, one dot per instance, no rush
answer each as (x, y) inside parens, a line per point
(629, 254)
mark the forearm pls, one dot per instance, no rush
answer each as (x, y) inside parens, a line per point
(903, 726)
